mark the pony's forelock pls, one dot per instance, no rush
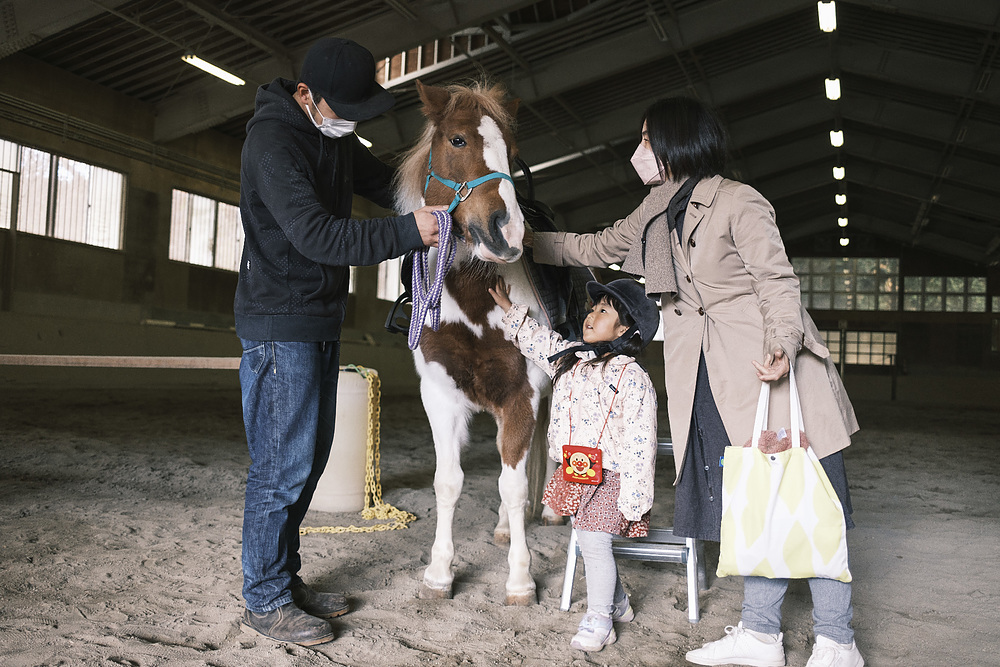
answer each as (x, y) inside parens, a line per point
(490, 98)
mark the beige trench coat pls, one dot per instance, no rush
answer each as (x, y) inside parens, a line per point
(737, 299)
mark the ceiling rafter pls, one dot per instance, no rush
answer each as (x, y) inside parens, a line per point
(919, 108)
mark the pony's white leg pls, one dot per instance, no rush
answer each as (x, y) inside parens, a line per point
(448, 413)
(550, 518)
(501, 534)
(450, 431)
(514, 494)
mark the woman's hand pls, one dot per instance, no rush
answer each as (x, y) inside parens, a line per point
(775, 367)
(501, 294)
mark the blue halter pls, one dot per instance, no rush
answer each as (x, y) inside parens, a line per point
(462, 190)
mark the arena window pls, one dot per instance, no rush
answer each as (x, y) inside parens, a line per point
(61, 198)
(949, 294)
(204, 231)
(848, 283)
(389, 286)
(862, 348)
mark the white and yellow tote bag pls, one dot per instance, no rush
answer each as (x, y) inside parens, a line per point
(781, 517)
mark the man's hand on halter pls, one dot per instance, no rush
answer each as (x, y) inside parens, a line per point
(775, 367)
(501, 294)
(427, 224)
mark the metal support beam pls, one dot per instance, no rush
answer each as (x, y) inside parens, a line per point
(244, 31)
(202, 107)
(27, 22)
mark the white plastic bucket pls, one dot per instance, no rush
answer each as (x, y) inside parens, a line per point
(342, 486)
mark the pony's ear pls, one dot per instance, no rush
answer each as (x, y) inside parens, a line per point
(435, 99)
(512, 106)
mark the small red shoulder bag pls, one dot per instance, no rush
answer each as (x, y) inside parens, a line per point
(581, 463)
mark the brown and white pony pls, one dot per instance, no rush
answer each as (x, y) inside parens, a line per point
(466, 366)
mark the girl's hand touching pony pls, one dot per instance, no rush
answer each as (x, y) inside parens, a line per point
(501, 294)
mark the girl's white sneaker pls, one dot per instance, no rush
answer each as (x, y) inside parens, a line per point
(594, 633)
(622, 611)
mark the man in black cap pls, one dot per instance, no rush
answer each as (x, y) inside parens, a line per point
(301, 166)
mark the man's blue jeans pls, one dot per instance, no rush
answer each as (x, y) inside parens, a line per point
(289, 410)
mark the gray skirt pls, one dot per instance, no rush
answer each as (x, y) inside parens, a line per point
(698, 495)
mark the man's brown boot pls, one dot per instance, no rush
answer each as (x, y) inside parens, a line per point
(321, 605)
(289, 624)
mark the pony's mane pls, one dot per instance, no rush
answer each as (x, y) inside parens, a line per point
(489, 98)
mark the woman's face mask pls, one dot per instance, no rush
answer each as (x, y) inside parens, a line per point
(646, 165)
(331, 127)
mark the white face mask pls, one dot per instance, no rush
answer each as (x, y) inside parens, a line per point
(647, 166)
(331, 127)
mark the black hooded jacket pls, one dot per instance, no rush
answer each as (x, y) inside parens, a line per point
(296, 190)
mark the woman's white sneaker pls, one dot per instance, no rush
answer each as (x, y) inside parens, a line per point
(741, 646)
(828, 653)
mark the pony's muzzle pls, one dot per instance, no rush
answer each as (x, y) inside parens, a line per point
(494, 244)
(511, 230)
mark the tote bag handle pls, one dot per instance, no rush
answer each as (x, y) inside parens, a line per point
(795, 408)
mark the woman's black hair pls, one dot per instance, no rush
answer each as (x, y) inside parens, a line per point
(631, 348)
(687, 138)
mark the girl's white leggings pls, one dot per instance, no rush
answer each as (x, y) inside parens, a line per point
(604, 588)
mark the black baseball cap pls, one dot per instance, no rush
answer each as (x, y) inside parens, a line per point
(342, 72)
(632, 296)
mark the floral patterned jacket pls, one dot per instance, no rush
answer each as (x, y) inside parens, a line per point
(585, 397)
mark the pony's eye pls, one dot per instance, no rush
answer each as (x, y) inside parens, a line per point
(458, 142)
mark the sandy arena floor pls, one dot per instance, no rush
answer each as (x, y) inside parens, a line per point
(121, 515)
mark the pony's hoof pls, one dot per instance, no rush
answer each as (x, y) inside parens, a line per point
(522, 599)
(428, 593)
(500, 538)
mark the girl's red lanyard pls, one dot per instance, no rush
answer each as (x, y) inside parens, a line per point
(569, 410)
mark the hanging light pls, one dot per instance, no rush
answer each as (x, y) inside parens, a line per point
(840, 199)
(827, 15)
(836, 138)
(839, 173)
(844, 240)
(842, 222)
(833, 89)
(364, 142)
(214, 70)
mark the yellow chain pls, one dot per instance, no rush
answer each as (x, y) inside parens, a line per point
(374, 509)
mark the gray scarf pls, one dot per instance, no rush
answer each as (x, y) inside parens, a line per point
(656, 264)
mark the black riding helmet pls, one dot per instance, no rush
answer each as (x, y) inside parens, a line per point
(632, 296)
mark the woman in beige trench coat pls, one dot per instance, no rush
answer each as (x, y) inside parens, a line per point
(732, 317)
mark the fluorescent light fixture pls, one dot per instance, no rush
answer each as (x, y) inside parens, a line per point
(842, 222)
(827, 15)
(364, 142)
(833, 89)
(559, 160)
(839, 173)
(206, 66)
(836, 138)
(840, 199)
(844, 240)
(614, 267)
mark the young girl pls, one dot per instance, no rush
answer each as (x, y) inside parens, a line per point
(601, 398)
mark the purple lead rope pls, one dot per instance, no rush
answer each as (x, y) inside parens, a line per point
(427, 293)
